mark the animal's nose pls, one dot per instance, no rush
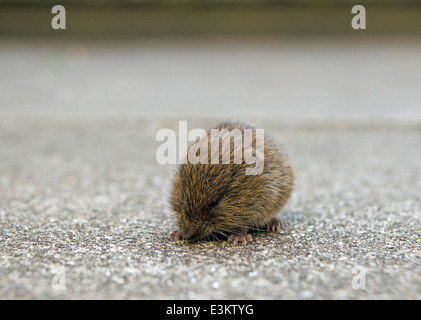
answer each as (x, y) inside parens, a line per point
(195, 232)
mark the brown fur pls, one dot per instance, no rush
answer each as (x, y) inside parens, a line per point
(211, 199)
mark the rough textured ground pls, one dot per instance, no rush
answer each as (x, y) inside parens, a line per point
(83, 202)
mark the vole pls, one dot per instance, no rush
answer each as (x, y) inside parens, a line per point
(212, 199)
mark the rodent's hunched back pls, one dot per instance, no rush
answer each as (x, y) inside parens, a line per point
(221, 198)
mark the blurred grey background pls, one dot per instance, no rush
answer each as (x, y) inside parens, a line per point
(178, 59)
(82, 197)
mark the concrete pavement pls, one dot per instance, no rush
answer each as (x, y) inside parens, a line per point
(83, 202)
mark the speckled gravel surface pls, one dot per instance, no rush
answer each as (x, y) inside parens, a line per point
(83, 202)
(84, 214)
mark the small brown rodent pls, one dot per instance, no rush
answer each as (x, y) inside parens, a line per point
(222, 199)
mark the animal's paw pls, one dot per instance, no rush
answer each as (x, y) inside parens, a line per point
(274, 225)
(177, 235)
(242, 239)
